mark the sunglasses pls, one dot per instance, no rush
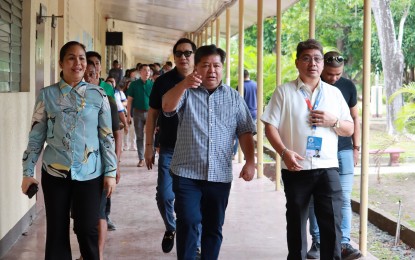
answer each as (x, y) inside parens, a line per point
(187, 54)
(338, 59)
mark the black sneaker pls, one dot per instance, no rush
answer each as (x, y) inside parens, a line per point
(168, 241)
(350, 253)
(198, 254)
(110, 225)
(314, 252)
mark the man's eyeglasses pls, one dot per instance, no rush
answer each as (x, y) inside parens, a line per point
(338, 59)
(187, 54)
(308, 59)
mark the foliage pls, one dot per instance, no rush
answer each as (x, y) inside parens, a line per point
(289, 72)
(406, 116)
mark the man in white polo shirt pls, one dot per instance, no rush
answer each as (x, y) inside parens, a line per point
(303, 116)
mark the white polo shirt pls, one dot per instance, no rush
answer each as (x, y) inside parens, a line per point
(287, 110)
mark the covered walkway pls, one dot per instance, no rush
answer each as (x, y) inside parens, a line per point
(254, 226)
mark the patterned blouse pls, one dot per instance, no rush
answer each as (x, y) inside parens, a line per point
(75, 122)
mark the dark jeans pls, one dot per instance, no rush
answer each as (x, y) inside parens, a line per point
(85, 195)
(165, 195)
(199, 201)
(324, 185)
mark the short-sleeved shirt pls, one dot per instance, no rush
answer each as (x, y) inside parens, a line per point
(107, 88)
(140, 92)
(119, 98)
(348, 89)
(250, 88)
(288, 112)
(167, 125)
(208, 124)
(76, 124)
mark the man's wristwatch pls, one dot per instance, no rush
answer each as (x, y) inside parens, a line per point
(356, 147)
(336, 124)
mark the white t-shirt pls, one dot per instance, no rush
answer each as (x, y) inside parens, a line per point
(119, 98)
(287, 110)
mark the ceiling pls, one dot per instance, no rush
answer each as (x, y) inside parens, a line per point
(151, 27)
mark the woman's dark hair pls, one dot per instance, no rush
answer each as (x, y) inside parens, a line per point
(309, 44)
(184, 40)
(67, 46)
(65, 49)
(208, 50)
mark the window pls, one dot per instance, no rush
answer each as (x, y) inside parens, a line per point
(10, 45)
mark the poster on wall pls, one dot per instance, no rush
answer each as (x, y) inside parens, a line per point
(88, 41)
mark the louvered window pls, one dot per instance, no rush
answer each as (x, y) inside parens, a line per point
(10, 45)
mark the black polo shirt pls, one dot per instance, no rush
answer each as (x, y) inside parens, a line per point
(349, 92)
(167, 125)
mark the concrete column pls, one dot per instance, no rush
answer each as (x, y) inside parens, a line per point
(241, 47)
(217, 31)
(260, 88)
(278, 81)
(312, 19)
(364, 177)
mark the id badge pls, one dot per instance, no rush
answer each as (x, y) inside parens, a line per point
(313, 146)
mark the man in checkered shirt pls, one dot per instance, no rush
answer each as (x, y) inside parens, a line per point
(210, 115)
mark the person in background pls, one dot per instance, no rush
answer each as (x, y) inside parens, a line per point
(157, 66)
(121, 101)
(138, 95)
(91, 76)
(129, 140)
(348, 155)
(79, 161)
(250, 88)
(155, 75)
(95, 58)
(304, 115)
(167, 66)
(202, 161)
(116, 71)
(183, 52)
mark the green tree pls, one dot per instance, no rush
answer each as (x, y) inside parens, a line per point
(405, 119)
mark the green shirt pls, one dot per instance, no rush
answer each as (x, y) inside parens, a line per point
(140, 92)
(109, 90)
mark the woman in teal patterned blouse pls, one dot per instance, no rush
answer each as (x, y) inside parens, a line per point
(74, 119)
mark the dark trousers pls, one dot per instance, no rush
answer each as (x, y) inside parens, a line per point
(324, 185)
(85, 196)
(198, 202)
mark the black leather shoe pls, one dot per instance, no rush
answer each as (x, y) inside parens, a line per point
(314, 252)
(168, 241)
(350, 253)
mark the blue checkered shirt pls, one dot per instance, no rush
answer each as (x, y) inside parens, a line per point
(208, 125)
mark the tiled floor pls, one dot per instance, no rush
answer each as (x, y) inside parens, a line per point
(254, 225)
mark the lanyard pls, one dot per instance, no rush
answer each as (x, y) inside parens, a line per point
(308, 102)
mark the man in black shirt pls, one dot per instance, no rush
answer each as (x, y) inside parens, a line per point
(183, 51)
(348, 155)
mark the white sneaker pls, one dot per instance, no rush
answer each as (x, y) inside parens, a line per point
(133, 149)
